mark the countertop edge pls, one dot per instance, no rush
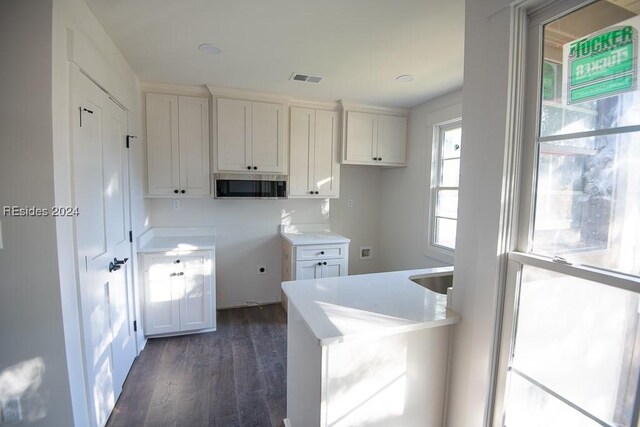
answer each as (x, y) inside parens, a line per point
(393, 330)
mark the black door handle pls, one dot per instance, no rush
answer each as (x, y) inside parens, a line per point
(113, 267)
(116, 261)
(324, 263)
(319, 263)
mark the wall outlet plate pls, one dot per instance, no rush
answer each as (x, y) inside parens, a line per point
(366, 252)
(11, 411)
(262, 269)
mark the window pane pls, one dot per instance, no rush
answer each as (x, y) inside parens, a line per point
(589, 74)
(451, 143)
(450, 173)
(445, 234)
(447, 203)
(581, 340)
(530, 406)
(588, 201)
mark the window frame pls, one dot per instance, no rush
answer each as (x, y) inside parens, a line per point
(433, 250)
(528, 46)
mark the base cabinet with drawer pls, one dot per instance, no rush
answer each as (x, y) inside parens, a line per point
(179, 292)
(313, 261)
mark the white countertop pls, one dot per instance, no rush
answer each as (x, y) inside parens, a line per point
(343, 308)
(311, 234)
(177, 239)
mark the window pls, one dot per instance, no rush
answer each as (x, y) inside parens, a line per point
(570, 350)
(445, 175)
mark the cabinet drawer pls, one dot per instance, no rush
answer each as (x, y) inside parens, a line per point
(321, 252)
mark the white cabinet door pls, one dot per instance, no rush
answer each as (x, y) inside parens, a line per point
(178, 292)
(308, 270)
(193, 137)
(302, 135)
(234, 135)
(361, 137)
(163, 157)
(392, 140)
(314, 169)
(163, 291)
(326, 169)
(334, 268)
(195, 306)
(268, 143)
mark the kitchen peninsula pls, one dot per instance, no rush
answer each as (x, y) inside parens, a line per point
(367, 349)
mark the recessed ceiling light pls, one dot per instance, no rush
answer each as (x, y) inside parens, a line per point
(404, 78)
(209, 48)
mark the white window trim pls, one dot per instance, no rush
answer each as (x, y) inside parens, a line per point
(432, 250)
(518, 233)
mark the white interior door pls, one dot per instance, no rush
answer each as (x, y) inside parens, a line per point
(100, 178)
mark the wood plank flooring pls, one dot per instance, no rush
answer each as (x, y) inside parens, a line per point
(235, 376)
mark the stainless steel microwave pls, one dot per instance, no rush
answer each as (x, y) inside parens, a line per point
(238, 186)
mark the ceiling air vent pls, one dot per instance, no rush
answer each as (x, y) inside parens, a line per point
(305, 78)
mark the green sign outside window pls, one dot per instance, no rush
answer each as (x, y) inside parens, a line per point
(602, 64)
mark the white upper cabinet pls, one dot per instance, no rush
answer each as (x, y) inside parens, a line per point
(177, 145)
(374, 139)
(392, 140)
(250, 136)
(314, 169)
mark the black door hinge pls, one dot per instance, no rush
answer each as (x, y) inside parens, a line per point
(130, 236)
(135, 326)
(129, 138)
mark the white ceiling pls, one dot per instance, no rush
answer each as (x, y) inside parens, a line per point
(358, 46)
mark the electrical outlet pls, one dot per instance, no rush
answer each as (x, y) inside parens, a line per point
(176, 205)
(11, 411)
(350, 203)
(262, 269)
(366, 252)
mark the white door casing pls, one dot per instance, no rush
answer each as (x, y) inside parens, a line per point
(100, 181)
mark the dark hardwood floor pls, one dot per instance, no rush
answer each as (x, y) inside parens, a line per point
(235, 376)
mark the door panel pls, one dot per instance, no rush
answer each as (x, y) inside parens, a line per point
(194, 145)
(234, 134)
(325, 168)
(302, 142)
(392, 139)
(100, 177)
(307, 270)
(267, 137)
(195, 306)
(361, 137)
(162, 144)
(334, 268)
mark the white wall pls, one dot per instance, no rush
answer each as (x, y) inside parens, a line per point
(32, 350)
(405, 192)
(247, 232)
(477, 260)
(247, 236)
(360, 223)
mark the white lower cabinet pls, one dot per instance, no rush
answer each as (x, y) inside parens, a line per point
(320, 269)
(179, 292)
(317, 261)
